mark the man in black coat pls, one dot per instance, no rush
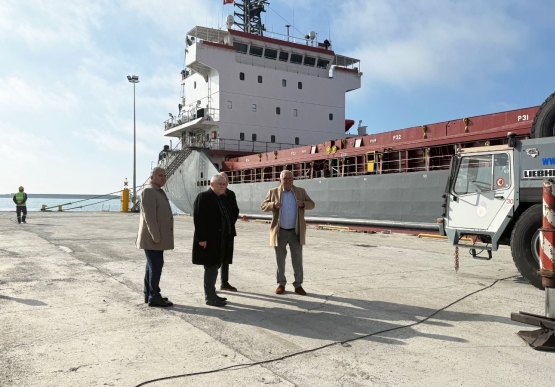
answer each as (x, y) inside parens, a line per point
(213, 239)
(234, 213)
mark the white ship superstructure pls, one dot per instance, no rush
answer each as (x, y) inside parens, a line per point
(248, 93)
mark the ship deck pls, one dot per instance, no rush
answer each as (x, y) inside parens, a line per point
(382, 309)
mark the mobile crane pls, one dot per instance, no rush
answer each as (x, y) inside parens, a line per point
(494, 193)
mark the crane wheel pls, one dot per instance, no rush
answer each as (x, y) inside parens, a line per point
(523, 243)
(544, 121)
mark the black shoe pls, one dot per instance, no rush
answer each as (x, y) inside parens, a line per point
(228, 287)
(163, 298)
(221, 298)
(216, 303)
(160, 303)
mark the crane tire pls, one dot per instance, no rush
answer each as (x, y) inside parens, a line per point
(544, 121)
(521, 244)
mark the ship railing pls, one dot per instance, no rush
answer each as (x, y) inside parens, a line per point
(299, 40)
(186, 73)
(242, 178)
(247, 146)
(276, 64)
(166, 157)
(209, 34)
(334, 168)
(209, 114)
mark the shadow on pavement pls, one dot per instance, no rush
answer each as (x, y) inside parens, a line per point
(25, 301)
(331, 317)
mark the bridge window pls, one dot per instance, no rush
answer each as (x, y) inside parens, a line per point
(272, 138)
(294, 112)
(297, 141)
(242, 76)
(283, 82)
(296, 58)
(254, 136)
(300, 85)
(270, 54)
(283, 56)
(254, 107)
(256, 51)
(323, 64)
(240, 47)
(331, 116)
(195, 85)
(241, 136)
(278, 110)
(260, 79)
(309, 61)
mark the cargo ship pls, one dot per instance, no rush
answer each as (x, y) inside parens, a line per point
(255, 103)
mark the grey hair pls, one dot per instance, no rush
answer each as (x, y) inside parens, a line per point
(215, 178)
(156, 169)
(224, 175)
(282, 174)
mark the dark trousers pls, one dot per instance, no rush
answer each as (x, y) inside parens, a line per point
(210, 277)
(20, 210)
(225, 273)
(153, 272)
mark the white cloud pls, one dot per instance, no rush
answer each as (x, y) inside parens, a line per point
(42, 23)
(177, 17)
(413, 43)
(19, 95)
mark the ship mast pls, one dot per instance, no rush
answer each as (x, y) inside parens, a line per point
(249, 15)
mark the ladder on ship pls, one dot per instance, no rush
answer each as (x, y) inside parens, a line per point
(181, 156)
(170, 170)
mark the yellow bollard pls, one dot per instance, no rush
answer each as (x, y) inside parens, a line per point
(43, 207)
(60, 207)
(125, 200)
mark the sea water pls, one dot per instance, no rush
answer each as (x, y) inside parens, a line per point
(70, 204)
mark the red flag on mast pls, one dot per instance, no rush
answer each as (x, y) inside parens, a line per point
(228, 2)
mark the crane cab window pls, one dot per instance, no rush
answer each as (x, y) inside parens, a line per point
(501, 171)
(483, 173)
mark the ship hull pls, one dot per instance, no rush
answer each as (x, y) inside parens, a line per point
(410, 200)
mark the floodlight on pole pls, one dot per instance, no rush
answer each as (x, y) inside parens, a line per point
(134, 79)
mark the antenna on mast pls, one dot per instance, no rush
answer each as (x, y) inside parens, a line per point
(249, 16)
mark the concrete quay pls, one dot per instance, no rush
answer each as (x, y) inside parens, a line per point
(72, 311)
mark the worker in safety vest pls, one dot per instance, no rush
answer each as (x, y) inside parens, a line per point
(20, 200)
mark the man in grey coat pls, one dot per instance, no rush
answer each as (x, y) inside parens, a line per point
(155, 234)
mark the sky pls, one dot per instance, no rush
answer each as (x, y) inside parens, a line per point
(66, 107)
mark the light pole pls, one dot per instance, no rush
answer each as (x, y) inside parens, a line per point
(134, 79)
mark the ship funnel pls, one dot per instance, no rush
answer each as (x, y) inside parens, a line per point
(361, 129)
(229, 21)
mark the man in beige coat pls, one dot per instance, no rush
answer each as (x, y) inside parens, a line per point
(155, 234)
(288, 204)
